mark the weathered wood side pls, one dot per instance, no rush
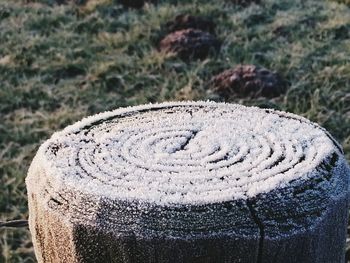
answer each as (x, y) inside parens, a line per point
(52, 234)
(127, 232)
(302, 223)
(306, 221)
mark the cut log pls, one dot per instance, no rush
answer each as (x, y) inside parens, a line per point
(190, 182)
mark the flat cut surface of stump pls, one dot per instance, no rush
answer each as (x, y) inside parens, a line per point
(189, 182)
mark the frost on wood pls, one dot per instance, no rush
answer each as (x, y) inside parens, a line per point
(185, 154)
(189, 182)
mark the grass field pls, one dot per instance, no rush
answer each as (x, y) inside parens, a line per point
(61, 63)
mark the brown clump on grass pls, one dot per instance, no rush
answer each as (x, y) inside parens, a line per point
(247, 80)
(190, 43)
(185, 21)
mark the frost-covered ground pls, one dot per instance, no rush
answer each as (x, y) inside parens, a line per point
(60, 63)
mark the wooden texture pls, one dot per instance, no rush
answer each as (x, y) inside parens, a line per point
(302, 220)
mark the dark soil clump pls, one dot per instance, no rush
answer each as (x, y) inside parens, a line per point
(190, 43)
(247, 80)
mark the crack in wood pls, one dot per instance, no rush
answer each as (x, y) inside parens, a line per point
(261, 229)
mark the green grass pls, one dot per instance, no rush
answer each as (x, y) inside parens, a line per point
(61, 63)
(347, 2)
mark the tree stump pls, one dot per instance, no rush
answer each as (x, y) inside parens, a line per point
(190, 182)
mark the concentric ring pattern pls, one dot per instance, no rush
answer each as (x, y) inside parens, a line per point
(182, 153)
